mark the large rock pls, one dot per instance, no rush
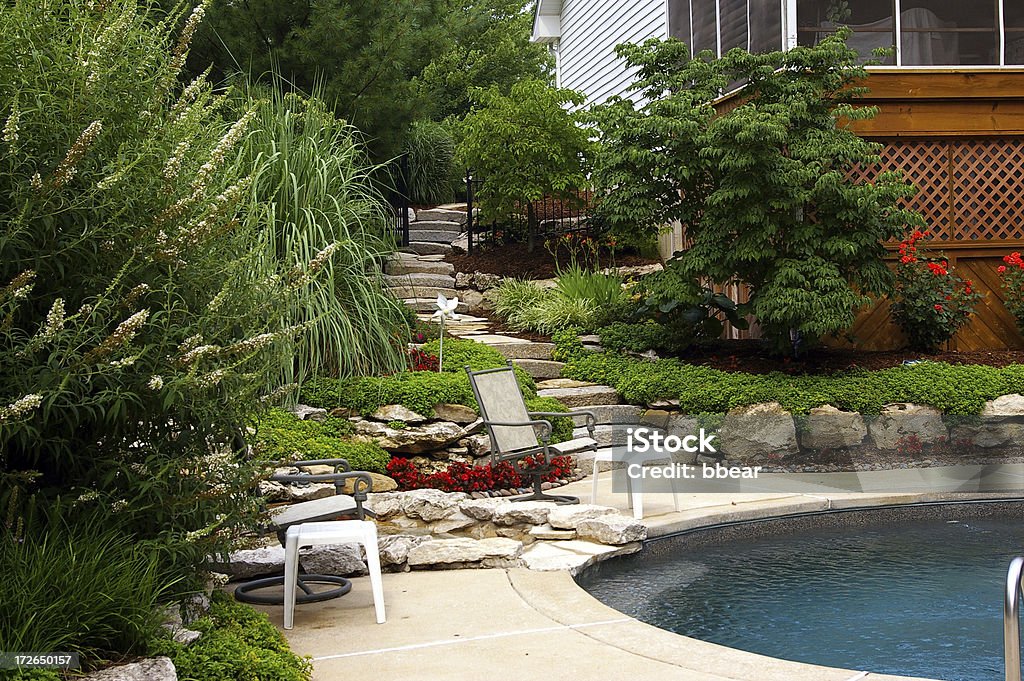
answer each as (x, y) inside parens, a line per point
(522, 512)
(397, 266)
(903, 420)
(379, 482)
(385, 506)
(611, 529)
(151, 669)
(540, 368)
(443, 214)
(463, 550)
(483, 509)
(754, 432)
(1001, 424)
(249, 563)
(396, 412)
(452, 523)
(456, 413)
(412, 440)
(584, 396)
(525, 350)
(333, 559)
(394, 548)
(568, 516)
(305, 412)
(831, 428)
(431, 504)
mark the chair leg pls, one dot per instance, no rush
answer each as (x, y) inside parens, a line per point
(291, 569)
(593, 490)
(629, 491)
(675, 494)
(636, 495)
(373, 563)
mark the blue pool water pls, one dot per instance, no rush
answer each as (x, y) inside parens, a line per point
(917, 598)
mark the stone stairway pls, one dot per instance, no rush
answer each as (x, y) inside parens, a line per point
(433, 230)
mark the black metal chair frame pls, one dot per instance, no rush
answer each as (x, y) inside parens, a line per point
(362, 484)
(543, 428)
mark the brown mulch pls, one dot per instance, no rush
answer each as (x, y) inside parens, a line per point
(752, 356)
(513, 260)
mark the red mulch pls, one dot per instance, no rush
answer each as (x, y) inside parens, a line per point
(753, 357)
(513, 260)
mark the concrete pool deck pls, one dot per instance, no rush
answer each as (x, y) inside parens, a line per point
(522, 624)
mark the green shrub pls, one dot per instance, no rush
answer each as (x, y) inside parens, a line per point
(282, 436)
(561, 428)
(87, 587)
(580, 299)
(238, 644)
(955, 389)
(639, 337)
(431, 152)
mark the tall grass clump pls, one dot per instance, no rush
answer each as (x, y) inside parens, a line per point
(580, 299)
(312, 186)
(78, 587)
(430, 150)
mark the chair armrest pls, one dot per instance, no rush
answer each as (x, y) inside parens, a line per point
(362, 482)
(591, 419)
(545, 426)
(339, 464)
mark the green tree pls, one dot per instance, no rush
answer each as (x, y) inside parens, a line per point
(764, 188)
(490, 47)
(367, 54)
(525, 145)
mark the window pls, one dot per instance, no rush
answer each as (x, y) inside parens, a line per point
(871, 20)
(765, 25)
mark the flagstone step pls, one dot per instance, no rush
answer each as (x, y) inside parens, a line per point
(582, 396)
(431, 292)
(540, 368)
(444, 214)
(428, 248)
(420, 279)
(413, 265)
(430, 305)
(524, 350)
(434, 226)
(606, 435)
(606, 414)
(433, 236)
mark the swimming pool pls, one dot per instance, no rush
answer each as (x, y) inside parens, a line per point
(914, 591)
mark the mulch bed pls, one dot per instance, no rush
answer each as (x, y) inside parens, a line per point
(753, 357)
(513, 260)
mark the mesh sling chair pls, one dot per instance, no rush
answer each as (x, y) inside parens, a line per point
(516, 433)
(327, 508)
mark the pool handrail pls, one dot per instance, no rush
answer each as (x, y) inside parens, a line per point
(1011, 619)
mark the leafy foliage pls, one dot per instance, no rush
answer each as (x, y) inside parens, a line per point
(931, 302)
(83, 587)
(580, 299)
(238, 644)
(525, 145)
(431, 152)
(762, 187)
(1012, 274)
(140, 327)
(282, 436)
(312, 187)
(955, 389)
(490, 47)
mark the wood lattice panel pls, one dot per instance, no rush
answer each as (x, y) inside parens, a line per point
(925, 164)
(988, 189)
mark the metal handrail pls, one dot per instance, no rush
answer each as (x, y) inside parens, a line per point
(1011, 619)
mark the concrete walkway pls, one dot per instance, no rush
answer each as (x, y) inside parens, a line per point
(521, 624)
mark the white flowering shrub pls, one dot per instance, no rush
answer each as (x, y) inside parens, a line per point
(142, 319)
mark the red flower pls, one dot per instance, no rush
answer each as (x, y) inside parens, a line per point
(1001, 269)
(939, 308)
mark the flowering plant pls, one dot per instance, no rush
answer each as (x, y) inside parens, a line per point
(462, 477)
(422, 361)
(931, 301)
(1012, 274)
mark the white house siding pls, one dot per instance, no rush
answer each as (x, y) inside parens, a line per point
(590, 31)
